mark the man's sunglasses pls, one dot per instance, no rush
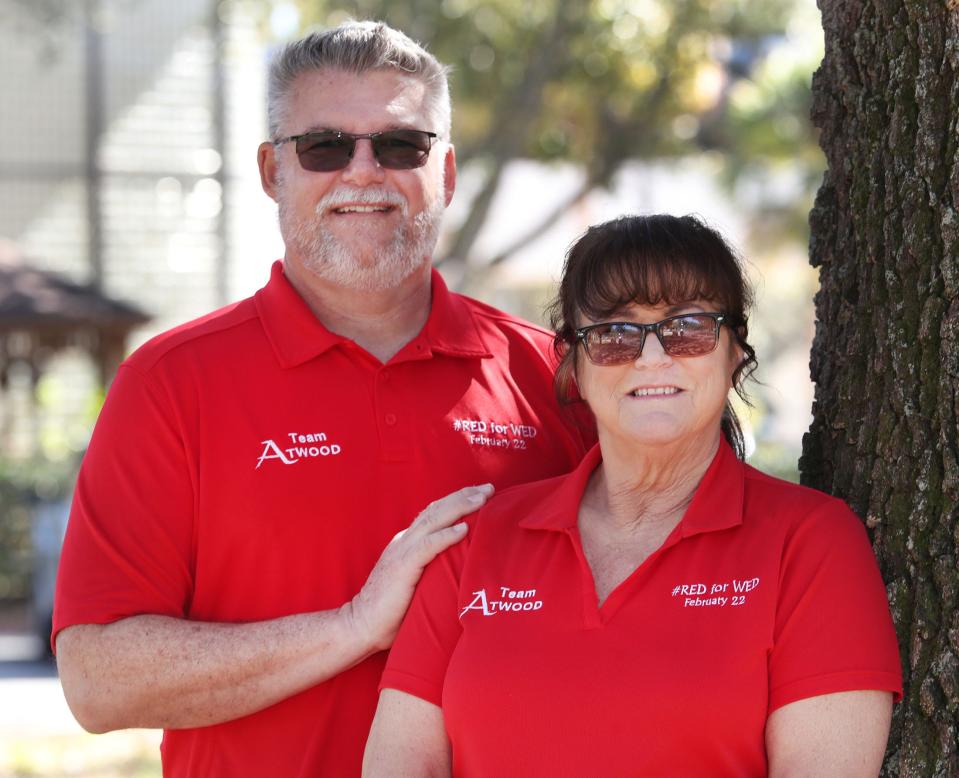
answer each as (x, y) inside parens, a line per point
(328, 150)
(619, 342)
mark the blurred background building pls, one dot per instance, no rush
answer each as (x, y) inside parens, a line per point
(117, 169)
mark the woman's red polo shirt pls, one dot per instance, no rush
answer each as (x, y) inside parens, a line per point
(765, 593)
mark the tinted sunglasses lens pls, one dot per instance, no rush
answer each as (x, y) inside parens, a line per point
(322, 152)
(614, 344)
(402, 149)
(689, 336)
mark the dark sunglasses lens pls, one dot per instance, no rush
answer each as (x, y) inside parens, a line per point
(322, 152)
(402, 149)
(689, 336)
(614, 344)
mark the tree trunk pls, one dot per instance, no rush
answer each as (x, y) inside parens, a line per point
(885, 235)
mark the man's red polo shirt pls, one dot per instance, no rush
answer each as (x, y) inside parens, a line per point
(764, 594)
(252, 465)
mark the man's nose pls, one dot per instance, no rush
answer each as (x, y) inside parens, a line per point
(364, 169)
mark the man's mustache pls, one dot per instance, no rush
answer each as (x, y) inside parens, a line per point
(345, 195)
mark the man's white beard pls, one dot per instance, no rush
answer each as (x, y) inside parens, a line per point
(361, 269)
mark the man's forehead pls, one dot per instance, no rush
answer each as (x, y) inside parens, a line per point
(368, 101)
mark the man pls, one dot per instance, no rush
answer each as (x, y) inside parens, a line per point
(224, 574)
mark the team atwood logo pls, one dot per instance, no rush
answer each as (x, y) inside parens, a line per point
(510, 601)
(296, 447)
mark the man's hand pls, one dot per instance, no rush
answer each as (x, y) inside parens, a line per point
(376, 612)
(160, 671)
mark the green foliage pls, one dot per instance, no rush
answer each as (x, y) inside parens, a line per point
(14, 542)
(641, 62)
(775, 459)
(600, 82)
(22, 485)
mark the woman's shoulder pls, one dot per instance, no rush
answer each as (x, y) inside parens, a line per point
(808, 529)
(766, 497)
(534, 502)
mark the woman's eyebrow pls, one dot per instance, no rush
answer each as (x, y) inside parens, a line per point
(681, 307)
(624, 311)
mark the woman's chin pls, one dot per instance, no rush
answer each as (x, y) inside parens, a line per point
(658, 433)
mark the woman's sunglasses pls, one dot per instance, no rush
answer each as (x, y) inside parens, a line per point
(328, 150)
(619, 342)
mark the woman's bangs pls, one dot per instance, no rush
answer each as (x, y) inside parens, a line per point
(620, 281)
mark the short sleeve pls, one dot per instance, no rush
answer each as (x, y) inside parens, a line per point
(128, 545)
(429, 633)
(833, 629)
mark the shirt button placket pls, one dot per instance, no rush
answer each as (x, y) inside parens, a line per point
(393, 435)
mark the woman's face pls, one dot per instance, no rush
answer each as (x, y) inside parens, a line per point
(658, 398)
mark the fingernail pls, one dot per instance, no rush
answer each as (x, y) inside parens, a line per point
(479, 499)
(485, 488)
(461, 526)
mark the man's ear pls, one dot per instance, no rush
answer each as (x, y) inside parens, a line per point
(449, 170)
(269, 168)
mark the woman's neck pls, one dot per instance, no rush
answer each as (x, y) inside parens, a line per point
(637, 485)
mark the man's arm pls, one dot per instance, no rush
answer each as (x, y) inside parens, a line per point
(408, 738)
(158, 671)
(842, 734)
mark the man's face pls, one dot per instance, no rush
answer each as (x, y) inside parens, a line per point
(363, 227)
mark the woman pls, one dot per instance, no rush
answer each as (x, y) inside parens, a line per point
(664, 609)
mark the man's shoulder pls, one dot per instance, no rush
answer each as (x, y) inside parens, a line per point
(213, 330)
(491, 319)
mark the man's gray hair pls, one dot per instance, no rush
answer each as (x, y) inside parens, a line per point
(357, 47)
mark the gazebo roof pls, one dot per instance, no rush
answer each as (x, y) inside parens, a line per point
(38, 300)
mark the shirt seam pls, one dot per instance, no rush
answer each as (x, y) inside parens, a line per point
(888, 678)
(165, 350)
(174, 417)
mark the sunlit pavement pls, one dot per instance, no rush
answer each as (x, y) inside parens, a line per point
(38, 734)
(32, 702)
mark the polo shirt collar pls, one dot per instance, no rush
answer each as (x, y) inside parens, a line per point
(717, 504)
(297, 336)
(452, 328)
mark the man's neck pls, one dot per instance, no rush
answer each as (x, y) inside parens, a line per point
(380, 322)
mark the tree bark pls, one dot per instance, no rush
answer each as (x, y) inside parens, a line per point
(885, 360)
